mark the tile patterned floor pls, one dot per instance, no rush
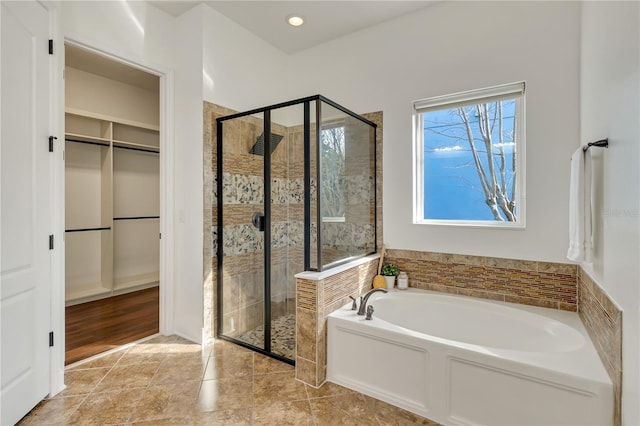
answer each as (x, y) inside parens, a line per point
(283, 336)
(171, 381)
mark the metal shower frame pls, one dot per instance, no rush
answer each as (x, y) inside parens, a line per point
(266, 111)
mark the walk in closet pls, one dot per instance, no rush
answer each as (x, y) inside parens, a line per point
(112, 185)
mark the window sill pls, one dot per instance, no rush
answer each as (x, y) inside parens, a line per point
(488, 224)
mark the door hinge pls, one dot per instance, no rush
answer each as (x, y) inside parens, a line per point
(161, 235)
(50, 242)
(50, 47)
(51, 139)
(50, 338)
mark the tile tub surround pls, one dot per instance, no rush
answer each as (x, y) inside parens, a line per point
(545, 284)
(319, 294)
(603, 320)
(171, 381)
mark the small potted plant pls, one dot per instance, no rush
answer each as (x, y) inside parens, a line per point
(390, 272)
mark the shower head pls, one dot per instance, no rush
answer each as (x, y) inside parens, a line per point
(258, 147)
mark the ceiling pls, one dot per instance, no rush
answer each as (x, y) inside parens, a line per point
(325, 20)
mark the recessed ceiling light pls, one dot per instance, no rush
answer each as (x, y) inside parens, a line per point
(295, 20)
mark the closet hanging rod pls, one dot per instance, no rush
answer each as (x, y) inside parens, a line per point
(136, 149)
(106, 144)
(602, 143)
(106, 228)
(136, 218)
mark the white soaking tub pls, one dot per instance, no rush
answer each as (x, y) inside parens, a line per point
(465, 361)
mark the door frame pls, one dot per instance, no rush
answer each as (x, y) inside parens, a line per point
(167, 191)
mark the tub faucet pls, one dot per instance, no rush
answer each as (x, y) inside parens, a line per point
(363, 299)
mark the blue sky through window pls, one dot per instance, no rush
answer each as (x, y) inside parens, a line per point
(452, 186)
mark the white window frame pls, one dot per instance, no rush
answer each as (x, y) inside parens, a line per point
(490, 94)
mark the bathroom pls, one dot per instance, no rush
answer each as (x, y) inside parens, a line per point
(577, 59)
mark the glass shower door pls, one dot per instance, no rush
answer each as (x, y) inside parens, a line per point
(242, 266)
(286, 242)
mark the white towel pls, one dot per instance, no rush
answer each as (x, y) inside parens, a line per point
(580, 233)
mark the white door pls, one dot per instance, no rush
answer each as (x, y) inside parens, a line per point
(25, 260)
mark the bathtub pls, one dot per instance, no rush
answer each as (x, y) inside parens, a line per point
(465, 361)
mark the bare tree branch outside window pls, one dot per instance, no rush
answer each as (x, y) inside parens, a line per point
(483, 137)
(333, 185)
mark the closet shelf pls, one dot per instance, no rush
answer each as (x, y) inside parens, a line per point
(73, 137)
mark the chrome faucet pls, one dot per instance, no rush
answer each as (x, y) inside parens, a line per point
(363, 299)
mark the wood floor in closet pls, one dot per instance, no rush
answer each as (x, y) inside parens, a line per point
(95, 327)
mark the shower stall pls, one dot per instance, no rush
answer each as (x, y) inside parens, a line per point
(295, 192)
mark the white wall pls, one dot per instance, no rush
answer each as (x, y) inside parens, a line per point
(188, 294)
(450, 47)
(241, 71)
(610, 107)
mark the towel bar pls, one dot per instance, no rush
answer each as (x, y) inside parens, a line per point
(602, 143)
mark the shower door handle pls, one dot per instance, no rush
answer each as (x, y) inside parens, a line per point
(258, 220)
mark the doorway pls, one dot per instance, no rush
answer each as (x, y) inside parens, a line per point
(112, 203)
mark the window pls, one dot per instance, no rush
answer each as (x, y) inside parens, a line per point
(469, 158)
(334, 183)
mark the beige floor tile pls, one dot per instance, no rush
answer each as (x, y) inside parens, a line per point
(390, 415)
(104, 361)
(277, 387)
(264, 365)
(170, 381)
(240, 417)
(134, 358)
(107, 408)
(179, 369)
(223, 347)
(171, 421)
(167, 401)
(82, 382)
(225, 394)
(128, 376)
(328, 389)
(284, 413)
(229, 365)
(52, 411)
(342, 410)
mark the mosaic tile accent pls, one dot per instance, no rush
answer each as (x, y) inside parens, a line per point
(551, 285)
(283, 336)
(357, 237)
(603, 320)
(242, 189)
(358, 189)
(242, 239)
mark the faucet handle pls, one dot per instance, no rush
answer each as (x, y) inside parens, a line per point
(369, 312)
(354, 304)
